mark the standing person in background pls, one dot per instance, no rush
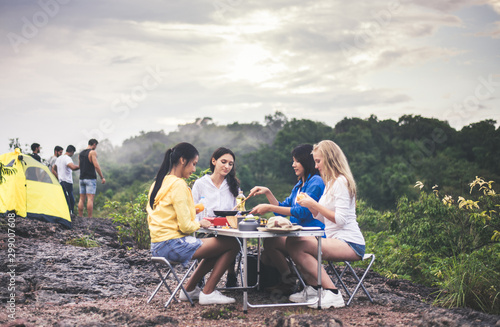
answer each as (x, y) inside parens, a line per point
(35, 147)
(171, 220)
(337, 209)
(309, 182)
(63, 170)
(88, 178)
(57, 153)
(220, 190)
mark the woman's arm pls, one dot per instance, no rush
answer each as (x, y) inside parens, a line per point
(316, 208)
(261, 209)
(184, 208)
(314, 187)
(257, 190)
(339, 195)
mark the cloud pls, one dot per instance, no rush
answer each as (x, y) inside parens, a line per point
(235, 60)
(492, 32)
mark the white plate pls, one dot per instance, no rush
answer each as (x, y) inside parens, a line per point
(311, 228)
(279, 229)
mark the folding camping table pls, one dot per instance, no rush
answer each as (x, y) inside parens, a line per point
(245, 235)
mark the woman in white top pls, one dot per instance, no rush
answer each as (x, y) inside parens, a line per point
(221, 187)
(337, 209)
(220, 190)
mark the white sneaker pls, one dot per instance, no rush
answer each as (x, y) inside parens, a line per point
(328, 299)
(215, 297)
(194, 294)
(304, 295)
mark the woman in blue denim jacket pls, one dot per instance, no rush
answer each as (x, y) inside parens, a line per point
(309, 182)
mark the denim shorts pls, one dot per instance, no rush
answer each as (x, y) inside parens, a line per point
(88, 186)
(177, 250)
(358, 248)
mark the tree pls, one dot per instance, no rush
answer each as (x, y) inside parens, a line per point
(481, 143)
(15, 143)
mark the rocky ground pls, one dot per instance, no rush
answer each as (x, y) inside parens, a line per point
(57, 284)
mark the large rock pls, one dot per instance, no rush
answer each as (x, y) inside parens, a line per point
(47, 270)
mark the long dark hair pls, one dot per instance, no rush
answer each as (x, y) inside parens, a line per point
(172, 157)
(232, 181)
(302, 153)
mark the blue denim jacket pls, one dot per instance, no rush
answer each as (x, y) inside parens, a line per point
(314, 187)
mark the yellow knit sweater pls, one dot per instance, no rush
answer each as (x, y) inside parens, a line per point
(173, 214)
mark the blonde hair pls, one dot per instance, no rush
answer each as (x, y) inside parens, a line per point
(335, 164)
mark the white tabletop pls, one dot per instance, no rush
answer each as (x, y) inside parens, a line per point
(258, 234)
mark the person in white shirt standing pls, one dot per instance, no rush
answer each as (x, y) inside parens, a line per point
(220, 190)
(337, 209)
(63, 170)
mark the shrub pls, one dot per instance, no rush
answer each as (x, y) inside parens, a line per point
(132, 220)
(440, 241)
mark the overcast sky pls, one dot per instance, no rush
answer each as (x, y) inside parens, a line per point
(74, 70)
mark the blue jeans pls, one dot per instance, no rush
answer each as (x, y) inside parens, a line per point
(68, 193)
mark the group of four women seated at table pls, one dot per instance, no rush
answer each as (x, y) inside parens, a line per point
(329, 202)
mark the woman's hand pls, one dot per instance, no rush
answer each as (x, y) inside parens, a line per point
(205, 223)
(257, 190)
(305, 200)
(260, 209)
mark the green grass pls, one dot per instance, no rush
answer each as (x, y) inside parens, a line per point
(85, 241)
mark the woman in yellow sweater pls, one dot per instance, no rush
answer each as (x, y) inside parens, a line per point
(171, 219)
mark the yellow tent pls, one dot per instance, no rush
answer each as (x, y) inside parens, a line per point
(32, 190)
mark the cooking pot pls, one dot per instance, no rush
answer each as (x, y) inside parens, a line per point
(248, 224)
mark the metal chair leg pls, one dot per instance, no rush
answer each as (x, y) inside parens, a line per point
(157, 262)
(356, 277)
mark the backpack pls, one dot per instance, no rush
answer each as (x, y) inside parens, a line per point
(269, 276)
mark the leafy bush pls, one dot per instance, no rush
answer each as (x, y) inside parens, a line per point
(438, 241)
(132, 220)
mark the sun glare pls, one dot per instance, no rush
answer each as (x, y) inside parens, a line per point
(254, 64)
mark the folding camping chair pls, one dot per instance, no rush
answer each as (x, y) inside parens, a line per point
(359, 280)
(161, 262)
